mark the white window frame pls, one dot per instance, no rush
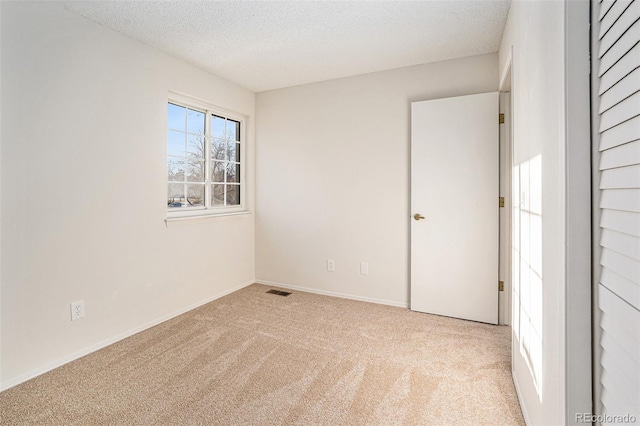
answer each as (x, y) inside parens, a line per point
(209, 210)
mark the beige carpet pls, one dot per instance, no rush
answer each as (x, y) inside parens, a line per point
(253, 358)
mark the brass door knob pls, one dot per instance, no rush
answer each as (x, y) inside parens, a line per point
(417, 216)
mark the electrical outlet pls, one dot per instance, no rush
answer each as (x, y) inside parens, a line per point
(331, 265)
(364, 268)
(77, 310)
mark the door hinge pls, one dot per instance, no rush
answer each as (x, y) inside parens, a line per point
(501, 118)
(501, 201)
(500, 285)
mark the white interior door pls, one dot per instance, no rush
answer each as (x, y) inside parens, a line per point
(454, 186)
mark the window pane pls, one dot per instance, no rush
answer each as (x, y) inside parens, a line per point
(195, 171)
(217, 171)
(217, 195)
(233, 130)
(195, 122)
(195, 195)
(175, 169)
(195, 147)
(217, 126)
(233, 172)
(175, 195)
(175, 143)
(233, 195)
(176, 117)
(231, 150)
(218, 149)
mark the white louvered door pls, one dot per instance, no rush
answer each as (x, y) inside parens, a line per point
(616, 81)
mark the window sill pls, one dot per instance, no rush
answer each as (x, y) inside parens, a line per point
(205, 217)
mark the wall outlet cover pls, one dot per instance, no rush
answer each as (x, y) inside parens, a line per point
(331, 265)
(77, 310)
(364, 268)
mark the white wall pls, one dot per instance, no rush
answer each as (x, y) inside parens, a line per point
(333, 176)
(536, 30)
(83, 191)
(578, 303)
(1, 95)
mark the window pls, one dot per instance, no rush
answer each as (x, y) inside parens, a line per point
(205, 163)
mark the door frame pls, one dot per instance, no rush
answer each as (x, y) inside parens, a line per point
(506, 165)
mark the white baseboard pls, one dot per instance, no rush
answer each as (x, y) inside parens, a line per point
(334, 294)
(86, 351)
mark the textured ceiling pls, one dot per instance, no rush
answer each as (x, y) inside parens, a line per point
(263, 45)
